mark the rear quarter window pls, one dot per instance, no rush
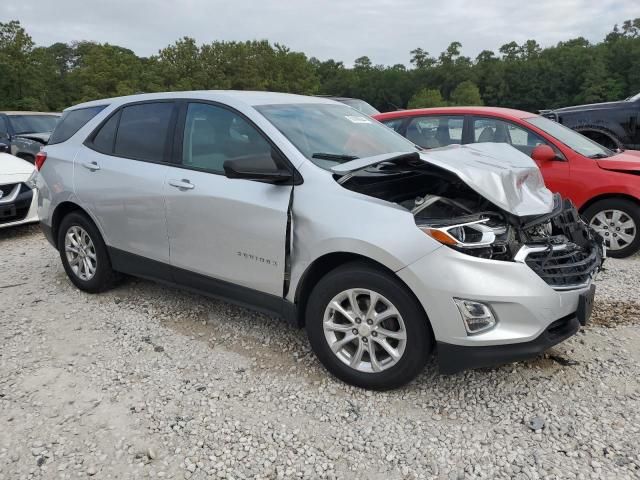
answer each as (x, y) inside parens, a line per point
(72, 121)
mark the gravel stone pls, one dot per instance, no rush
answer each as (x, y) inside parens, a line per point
(237, 394)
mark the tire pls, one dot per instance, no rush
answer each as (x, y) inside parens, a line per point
(622, 213)
(603, 139)
(359, 277)
(103, 277)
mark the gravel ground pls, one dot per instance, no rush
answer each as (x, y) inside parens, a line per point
(146, 381)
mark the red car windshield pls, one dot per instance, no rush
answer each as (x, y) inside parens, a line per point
(573, 140)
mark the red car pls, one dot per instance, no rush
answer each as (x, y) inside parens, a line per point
(604, 184)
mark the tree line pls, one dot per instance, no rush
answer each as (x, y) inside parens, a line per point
(524, 76)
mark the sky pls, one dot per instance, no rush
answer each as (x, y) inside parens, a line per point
(384, 30)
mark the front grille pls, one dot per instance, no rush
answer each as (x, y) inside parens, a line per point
(6, 190)
(563, 267)
(18, 208)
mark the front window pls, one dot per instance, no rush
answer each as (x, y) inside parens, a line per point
(500, 131)
(331, 134)
(573, 140)
(33, 123)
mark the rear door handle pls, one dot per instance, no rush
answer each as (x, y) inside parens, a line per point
(183, 184)
(93, 166)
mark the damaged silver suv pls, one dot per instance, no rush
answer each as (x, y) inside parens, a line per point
(304, 208)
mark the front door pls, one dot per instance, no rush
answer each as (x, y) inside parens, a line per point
(227, 230)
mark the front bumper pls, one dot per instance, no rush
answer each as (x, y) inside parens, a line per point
(455, 358)
(20, 206)
(524, 305)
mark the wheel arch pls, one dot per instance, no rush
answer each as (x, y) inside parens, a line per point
(61, 211)
(607, 196)
(321, 266)
(615, 138)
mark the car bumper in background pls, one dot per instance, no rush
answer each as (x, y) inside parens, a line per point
(19, 207)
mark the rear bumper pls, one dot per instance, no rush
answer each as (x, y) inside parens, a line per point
(455, 358)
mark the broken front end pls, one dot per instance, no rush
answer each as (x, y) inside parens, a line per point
(516, 275)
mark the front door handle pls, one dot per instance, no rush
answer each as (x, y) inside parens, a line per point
(183, 184)
(93, 166)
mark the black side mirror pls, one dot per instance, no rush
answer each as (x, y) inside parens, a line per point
(250, 168)
(4, 148)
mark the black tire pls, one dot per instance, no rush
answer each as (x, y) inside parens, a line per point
(104, 276)
(630, 209)
(419, 338)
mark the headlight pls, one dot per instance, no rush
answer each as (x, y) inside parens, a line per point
(484, 237)
(463, 235)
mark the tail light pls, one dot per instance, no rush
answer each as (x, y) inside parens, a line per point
(40, 158)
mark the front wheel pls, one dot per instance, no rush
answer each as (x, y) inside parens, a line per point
(617, 220)
(367, 328)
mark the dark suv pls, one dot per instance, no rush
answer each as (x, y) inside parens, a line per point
(23, 133)
(612, 124)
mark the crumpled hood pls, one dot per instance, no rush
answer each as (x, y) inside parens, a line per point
(627, 161)
(40, 137)
(500, 173)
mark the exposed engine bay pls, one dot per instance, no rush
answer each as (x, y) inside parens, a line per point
(558, 245)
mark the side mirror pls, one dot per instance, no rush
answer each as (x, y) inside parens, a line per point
(250, 168)
(4, 148)
(543, 153)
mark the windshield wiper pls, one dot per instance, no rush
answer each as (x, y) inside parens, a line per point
(334, 156)
(598, 155)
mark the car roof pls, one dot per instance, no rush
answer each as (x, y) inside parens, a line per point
(491, 111)
(251, 98)
(56, 114)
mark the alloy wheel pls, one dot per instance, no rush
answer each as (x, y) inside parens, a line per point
(80, 252)
(616, 227)
(364, 330)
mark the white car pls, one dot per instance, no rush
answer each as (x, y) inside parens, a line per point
(18, 201)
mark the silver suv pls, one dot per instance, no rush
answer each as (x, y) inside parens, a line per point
(305, 208)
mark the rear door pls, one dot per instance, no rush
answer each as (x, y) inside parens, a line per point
(224, 233)
(119, 177)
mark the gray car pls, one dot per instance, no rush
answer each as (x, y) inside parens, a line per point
(23, 133)
(307, 209)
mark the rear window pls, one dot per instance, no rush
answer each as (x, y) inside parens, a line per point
(72, 121)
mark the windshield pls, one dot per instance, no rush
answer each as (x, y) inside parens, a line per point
(360, 105)
(33, 123)
(573, 140)
(332, 134)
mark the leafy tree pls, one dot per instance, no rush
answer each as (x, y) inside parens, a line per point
(427, 98)
(466, 93)
(524, 76)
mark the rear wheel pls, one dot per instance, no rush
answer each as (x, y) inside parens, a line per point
(617, 220)
(84, 254)
(367, 328)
